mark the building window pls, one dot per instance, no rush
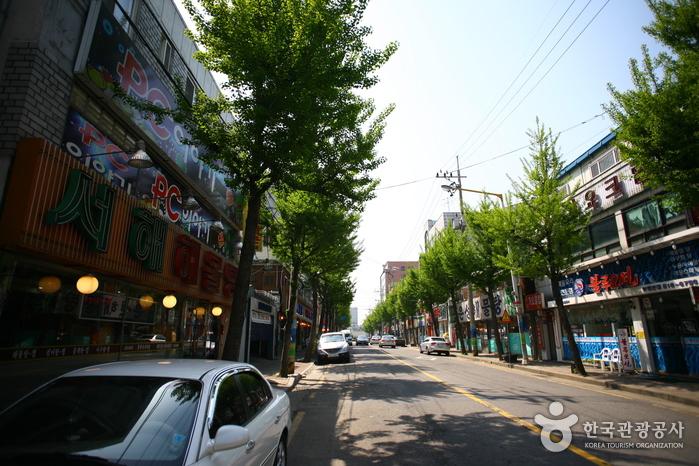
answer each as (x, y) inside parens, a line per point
(604, 163)
(650, 221)
(166, 54)
(123, 9)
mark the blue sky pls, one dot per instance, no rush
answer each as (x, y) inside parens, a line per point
(469, 80)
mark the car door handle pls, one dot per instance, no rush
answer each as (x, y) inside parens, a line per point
(249, 447)
(278, 418)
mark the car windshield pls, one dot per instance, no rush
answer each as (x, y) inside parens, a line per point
(329, 338)
(125, 420)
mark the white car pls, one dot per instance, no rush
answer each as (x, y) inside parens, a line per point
(375, 340)
(166, 412)
(435, 345)
(387, 340)
(333, 346)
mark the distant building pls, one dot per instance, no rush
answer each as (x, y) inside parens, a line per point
(393, 272)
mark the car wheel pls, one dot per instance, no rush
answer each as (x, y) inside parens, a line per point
(420, 349)
(429, 351)
(447, 354)
(280, 455)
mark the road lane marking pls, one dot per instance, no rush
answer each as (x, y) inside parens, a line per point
(509, 416)
(295, 425)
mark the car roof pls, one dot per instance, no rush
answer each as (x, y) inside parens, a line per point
(174, 368)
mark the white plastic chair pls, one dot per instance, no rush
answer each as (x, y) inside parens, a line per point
(602, 358)
(615, 360)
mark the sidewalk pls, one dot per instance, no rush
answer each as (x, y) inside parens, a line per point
(270, 369)
(675, 388)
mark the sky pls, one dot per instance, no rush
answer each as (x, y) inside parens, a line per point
(469, 80)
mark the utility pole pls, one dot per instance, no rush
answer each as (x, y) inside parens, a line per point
(471, 311)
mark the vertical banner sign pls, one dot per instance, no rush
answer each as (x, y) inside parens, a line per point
(292, 347)
(626, 361)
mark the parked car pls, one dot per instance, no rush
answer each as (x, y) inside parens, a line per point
(435, 345)
(400, 341)
(375, 340)
(332, 346)
(387, 340)
(174, 411)
(151, 338)
(362, 340)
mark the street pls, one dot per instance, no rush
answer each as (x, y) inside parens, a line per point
(397, 406)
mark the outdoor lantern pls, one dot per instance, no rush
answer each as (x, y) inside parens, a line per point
(217, 311)
(49, 284)
(200, 311)
(87, 284)
(169, 301)
(146, 301)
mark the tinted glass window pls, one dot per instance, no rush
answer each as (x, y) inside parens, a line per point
(99, 416)
(256, 390)
(230, 406)
(642, 218)
(604, 232)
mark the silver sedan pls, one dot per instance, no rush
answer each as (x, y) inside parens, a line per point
(435, 345)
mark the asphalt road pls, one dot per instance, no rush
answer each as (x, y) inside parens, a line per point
(396, 406)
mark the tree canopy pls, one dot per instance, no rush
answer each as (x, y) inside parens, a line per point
(658, 119)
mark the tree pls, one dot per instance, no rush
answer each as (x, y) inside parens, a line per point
(428, 293)
(311, 231)
(658, 119)
(484, 241)
(291, 118)
(434, 265)
(545, 224)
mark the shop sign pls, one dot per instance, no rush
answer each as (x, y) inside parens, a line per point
(213, 271)
(107, 306)
(261, 318)
(147, 239)
(694, 293)
(91, 214)
(624, 349)
(534, 301)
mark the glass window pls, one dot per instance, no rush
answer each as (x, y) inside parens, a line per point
(642, 218)
(230, 406)
(257, 393)
(604, 232)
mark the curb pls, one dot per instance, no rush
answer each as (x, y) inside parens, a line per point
(614, 385)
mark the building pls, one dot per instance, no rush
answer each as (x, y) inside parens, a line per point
(637, 272)
(393, 272)
(157, 241)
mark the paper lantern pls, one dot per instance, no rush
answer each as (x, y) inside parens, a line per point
(87, 284)
(49, 284)
(146, 301)
(169, 301)
(217, 311)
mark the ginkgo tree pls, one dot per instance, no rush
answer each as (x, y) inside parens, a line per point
(291, 115)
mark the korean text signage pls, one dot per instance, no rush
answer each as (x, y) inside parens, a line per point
(92, 215)
(666, 269)
(625, 352)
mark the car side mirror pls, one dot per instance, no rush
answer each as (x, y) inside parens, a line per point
(229, 437)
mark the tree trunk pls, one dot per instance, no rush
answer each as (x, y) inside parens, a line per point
(459, 331)
(290, 318)
(567, 329)
(239, 304)
(494, 322)
(314, 323)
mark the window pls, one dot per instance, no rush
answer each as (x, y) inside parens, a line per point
(599, 239)
(230, 406)
(652, 220)
(122, 10)
(256, 391)
(166, 53)
(604, 163)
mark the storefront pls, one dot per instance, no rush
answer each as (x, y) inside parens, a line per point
(63, 221)
(651, 295)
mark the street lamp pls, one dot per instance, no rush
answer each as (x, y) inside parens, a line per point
(522, 342)
(139, 159)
